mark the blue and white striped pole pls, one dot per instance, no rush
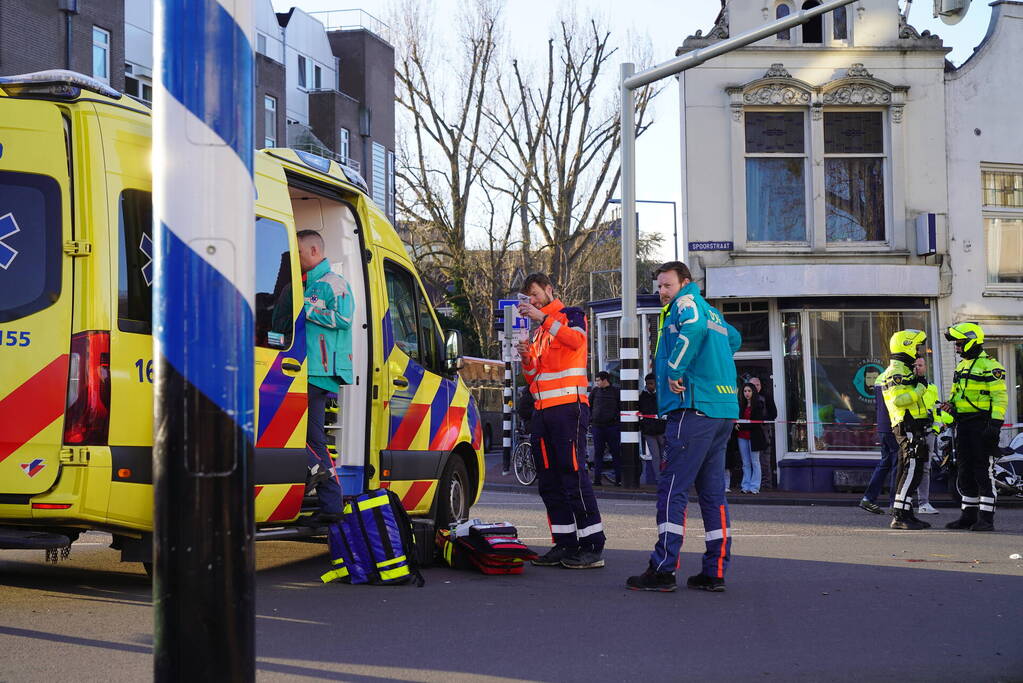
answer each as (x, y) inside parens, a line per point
(203, 588)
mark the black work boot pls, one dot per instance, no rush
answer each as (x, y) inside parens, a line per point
(967, 518)
(702, 582)
(985, 521)
(554, 556)
(901, 520)
(650, 580)
(910, 514)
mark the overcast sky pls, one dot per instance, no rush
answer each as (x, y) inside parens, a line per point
(667, 23)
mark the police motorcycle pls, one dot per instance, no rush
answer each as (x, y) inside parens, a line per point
(1007, 469)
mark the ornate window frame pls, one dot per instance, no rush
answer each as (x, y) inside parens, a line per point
(857, 89)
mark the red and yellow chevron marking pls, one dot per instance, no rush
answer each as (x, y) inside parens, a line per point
(278, 502)
(416, 495)
(32, 406)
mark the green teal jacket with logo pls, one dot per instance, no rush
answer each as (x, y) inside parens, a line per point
(978, 386)
(695, 345)
(329, 306)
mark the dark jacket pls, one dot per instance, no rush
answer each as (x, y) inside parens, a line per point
(757, 440)
(605, 406)
(770, 409)
(649, 426)
(884, 421)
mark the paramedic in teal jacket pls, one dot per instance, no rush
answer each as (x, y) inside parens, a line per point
(696, 391)
(328, 312)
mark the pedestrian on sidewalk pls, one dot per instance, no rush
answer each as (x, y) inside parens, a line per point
(554, 365)
(696, 391)
(767, 457)
(652, 428)
(606, 426)
(884, 470)
(750, 438)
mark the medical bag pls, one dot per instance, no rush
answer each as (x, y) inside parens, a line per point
(373, 542)
(490, 548)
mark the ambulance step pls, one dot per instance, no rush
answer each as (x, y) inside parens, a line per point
(289, 533)
(15, 538)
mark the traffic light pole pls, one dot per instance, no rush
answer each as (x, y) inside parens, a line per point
(203, 582)
(630, 82)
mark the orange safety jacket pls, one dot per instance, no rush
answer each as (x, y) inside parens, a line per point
(555, 365)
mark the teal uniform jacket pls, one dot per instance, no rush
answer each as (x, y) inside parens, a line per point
(695, 345)
(329, 306)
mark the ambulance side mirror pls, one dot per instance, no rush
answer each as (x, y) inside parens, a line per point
(453, 351)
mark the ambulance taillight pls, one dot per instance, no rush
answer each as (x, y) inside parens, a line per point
(87, 416)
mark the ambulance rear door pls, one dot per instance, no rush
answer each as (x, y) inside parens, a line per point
(35, 295)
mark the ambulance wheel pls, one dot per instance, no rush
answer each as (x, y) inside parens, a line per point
(453, 493)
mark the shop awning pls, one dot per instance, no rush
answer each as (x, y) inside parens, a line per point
(822, 279)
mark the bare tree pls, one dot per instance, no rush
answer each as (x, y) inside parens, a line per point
(440, 159)
(558, 157)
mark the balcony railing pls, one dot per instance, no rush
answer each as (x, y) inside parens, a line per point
(327, 154)
(349, 20)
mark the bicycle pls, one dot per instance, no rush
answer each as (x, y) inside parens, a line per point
(523, 464)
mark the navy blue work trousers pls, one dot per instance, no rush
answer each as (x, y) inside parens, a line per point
(327, 490)
(694, 456)
(559, 451)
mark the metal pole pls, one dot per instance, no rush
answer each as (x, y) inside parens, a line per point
(697, 57)
(629, 83)
(629, 340)
(674, 223)
(509, 335)
(203, 583)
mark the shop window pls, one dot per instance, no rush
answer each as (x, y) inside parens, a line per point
(609, 340)
(795, 384)
(1003, 224)
(274, 308)
(813, 30)
(775, 176)
(751, 319)
(848, 350)
(854, 186)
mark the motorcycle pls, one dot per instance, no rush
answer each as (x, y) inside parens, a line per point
(1007, 469)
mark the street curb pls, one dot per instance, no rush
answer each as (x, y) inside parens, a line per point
(734, 500)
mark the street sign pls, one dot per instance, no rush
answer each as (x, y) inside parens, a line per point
(711, 246)
(519, 329)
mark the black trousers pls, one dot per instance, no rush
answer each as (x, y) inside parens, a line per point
(974, 450)
(913, 454)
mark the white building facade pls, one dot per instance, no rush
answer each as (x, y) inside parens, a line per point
(810, 160)
(984, 98)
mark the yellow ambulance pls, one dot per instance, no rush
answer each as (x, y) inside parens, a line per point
(76, 352)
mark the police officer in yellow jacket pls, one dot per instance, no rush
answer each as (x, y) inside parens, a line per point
(978, 403)
(904, 395)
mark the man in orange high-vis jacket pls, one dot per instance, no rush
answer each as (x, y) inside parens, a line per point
(554, 364)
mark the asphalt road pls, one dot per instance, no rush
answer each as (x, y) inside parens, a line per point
(814, 593)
